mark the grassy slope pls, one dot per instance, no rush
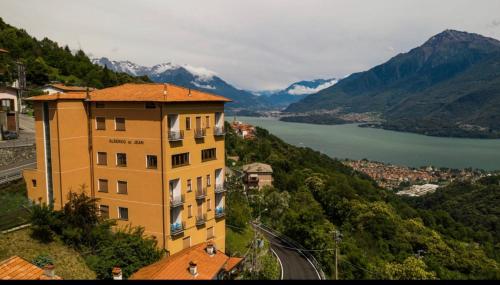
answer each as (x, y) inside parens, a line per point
(238, 243)
(69, 264)
(13, 200)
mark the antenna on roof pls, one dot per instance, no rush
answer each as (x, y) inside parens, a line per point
(164, 92)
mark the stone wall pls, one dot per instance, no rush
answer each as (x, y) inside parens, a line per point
(9, 155)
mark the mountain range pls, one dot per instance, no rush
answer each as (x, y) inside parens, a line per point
(449, 86)
(201, 78)
(189, 76)
(295, 92)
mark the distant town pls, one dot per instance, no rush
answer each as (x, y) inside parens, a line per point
(414, 181)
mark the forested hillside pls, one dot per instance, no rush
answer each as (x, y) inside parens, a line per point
(383, 236)
(46, 61)
(465, 211)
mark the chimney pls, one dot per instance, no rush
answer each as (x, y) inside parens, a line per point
(49, 270)
(210, 248)
(193, 268)
(117, 273)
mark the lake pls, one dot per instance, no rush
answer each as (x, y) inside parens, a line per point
(353, 142)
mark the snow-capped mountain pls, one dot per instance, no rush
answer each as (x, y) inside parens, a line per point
(189, 76)
(295, 92)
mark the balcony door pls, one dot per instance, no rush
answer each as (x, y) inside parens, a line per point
(218, 177)
(173, 123)
(199, 184)
(219, 202)
(198, 123)
(219, 119)
(175, 189)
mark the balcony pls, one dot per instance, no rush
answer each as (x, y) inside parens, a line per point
(201, 193)
(219, 188)
(176, 201)
(175, 136)
(200, 133)
(219, 212)
(219, 131)
(201, 219)
(177, 228)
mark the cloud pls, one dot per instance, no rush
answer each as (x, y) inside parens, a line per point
(303, 90)
(255, 45)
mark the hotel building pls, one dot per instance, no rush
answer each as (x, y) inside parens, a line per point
(153, 154)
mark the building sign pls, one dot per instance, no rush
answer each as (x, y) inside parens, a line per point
(123, 141)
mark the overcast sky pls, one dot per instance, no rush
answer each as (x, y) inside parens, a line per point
(253, 44)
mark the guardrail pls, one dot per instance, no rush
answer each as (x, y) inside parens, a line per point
(297, 245)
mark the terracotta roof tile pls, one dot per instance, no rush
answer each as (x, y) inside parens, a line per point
(17, 268)
(59, 96)
(177, 266)
(232, 262)
(257, 167)
(139, 93)
(153, 92)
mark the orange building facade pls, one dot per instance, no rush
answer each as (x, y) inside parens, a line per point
(153, 154)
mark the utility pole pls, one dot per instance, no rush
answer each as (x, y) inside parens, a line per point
(337, 237)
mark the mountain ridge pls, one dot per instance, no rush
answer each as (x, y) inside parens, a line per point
(426, 89)
(188, 76)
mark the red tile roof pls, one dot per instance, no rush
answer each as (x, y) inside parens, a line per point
(139, 93)
(17, 268)
(177, 266)
(59, 96)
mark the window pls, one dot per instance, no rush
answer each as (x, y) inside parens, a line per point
(123, 213)
(188, 123)
(99, 105)
(208, 154)
(102, 185)
(150, 105)
(122, 187)
(180, 159)
(189, 187)
(209, 204)
(121, 159)
(207, 122)
(104, 211)
(151, 161)
(208, 180)
(190, 211)
(210, 233)
(119, 124)
(100, 123)
(102, 158)
(33, 182)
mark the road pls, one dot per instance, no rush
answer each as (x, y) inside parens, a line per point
(295, 266)
(27, 123)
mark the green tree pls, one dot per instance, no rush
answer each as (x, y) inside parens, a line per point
(412, 268)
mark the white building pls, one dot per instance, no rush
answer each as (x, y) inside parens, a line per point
(61, 88)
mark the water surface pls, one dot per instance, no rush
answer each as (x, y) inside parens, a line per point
(351, 141)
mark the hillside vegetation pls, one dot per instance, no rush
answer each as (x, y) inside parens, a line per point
(46, 61)
(383, 236)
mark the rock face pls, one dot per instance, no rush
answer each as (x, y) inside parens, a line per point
(449, 86)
